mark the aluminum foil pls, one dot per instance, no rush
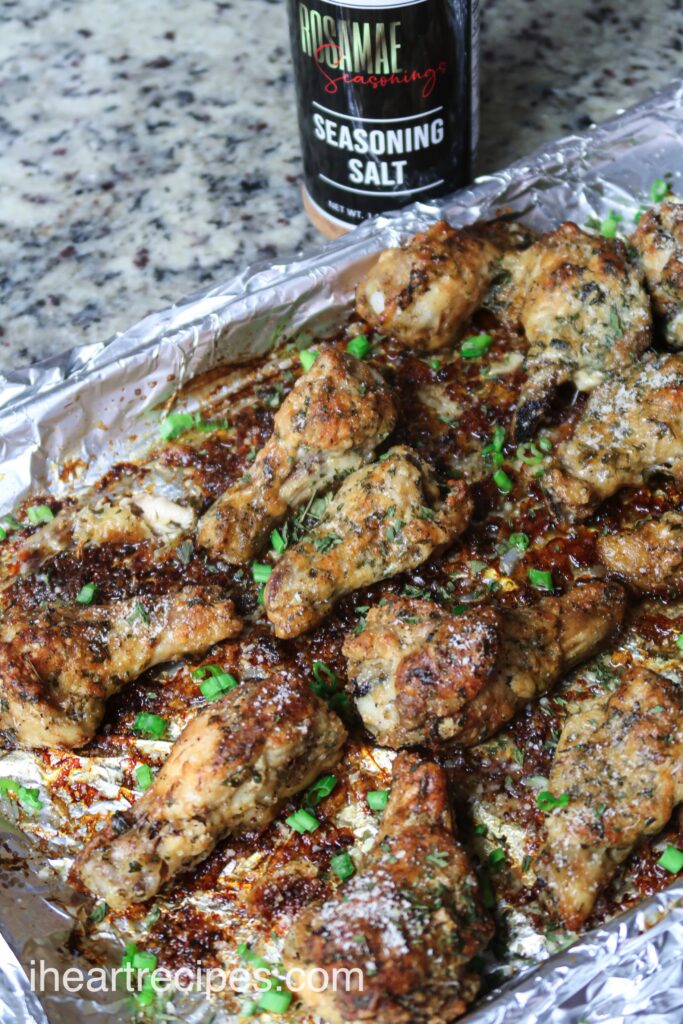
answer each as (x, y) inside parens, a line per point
(97, 403)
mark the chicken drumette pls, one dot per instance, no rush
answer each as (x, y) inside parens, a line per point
(648, 557)
(420, 675)
(58, 666)
(386, 518)
(584, 311)
(329, 424)
(620, 763)
(632, 425)
(229, 772)
(408, 924)
(658, 244)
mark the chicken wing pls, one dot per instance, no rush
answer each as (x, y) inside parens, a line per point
(632, 425)
(420, 675)
(648, 557)
(423, 293)
(386, 518)
(620, 762)
(229, 772)
(58, 666)
(407, 926)
(584, 311)
(658, 245)
(329, 424)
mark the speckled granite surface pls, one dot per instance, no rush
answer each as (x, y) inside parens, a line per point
(148, 149)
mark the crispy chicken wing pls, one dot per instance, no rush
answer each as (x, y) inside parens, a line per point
(386, 518)
(408, 924)
(423, 293)
(329, 424)
(650, 556)
(632, 425)
(584, 311)
(658, 244)
(58, 666)
(420, 675)
(229, 772)
(620, 762)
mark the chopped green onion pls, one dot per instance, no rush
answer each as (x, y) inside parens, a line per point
(658, 190)
(672, 859)
(498, 439)
(278, 542)
(216, 681)
(502, 481)
(3, 534)
(497, 856)
(153, 726)
(679, 641)
(40, 514)
(98, 913)
(259, 596)
(8, 786)
(639, 213)
(475, 346)
(302, 821)
(144, 961)
(529, 454)
(319, 790)
(252, 958)
(139, 614)
(434, 363)
(86, 593)
(275, 1001)
(28, 796)
(359, 346)
(10, 522)
(177, 423)
(144, 776)
(322, 673)
(128, 954)
(261, 571)
(308, 356)
(545, 801)
(343, 866)
(609, 225)
(541, 579)
(545, 444)
(519, 541)
(378, 799)
(147, 994)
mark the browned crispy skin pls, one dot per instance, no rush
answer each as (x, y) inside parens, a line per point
(329, 424)
(584, 311)
(423, 293)
(59, 666)
(229, 772)
(658, 244)
(620, 761)
(385, 518)
(422, 676)
(648, 557)
(409, 923)
(632, 425)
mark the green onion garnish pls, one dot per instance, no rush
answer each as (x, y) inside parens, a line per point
(545, 801)
(541, 579)
(153, 726)
(378, 799)
(545, 444)
(302, 821)
(275, 1001)
(658, 190)
(143, 961)
(139, 614)
(252, 958)
(672, 859)
(128, 954)
(359, 347)
(259, 596)
(216, 681)
(3, 534)
(679, 641)
(28, 796)
(529, 454)
(308, 356)
(323, 675)
(497, 856)
(277, 542)
(261, 571)
(98, 913)
(609, 225)
(319, 790)
(475, 346)
(144, 776)
(176, 424)
(86, 593)
(40, 514)
(343, 866)
(502, 481)
(434, 363)
(519, 541)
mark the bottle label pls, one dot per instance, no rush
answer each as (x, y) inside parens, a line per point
(385, 92)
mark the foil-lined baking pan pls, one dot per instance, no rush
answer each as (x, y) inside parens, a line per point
(100, 403)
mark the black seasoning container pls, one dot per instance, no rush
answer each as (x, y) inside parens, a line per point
(387, 95)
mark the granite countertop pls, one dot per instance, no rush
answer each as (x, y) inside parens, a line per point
(147, 150)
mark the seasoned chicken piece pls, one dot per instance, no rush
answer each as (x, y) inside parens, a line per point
(407, 926)
(649, 557)
(658, 244)
(620, 762)
(584, 311)
(58, 666)
(632, 425)
(420, 675)
(329, 424)
(423, 293)
(385, 518)
(228, 773)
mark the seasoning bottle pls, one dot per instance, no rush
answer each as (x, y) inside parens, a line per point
(387, 94)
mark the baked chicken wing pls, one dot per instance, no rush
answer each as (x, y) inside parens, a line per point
(385, 518)
(59, 666)
(584, 311)
(421, 676)
(658, 244)
(648, 557)
(632, 426)
(329, 424)
(620, 762)
(407, 925)
(229, 772)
